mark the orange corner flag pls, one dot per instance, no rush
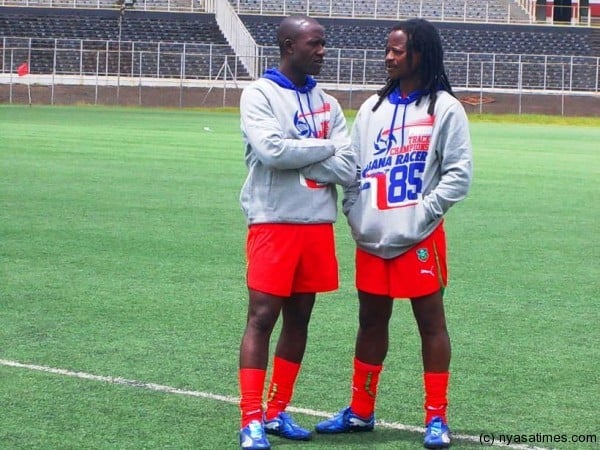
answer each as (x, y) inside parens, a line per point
(23, 69)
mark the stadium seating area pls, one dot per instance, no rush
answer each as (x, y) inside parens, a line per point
(104, 24)
(99, 34)
(191, 45)
(457, 37)
(458, 10)
(537, 47)
(149, 5)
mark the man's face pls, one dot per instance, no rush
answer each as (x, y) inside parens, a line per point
(397, 63)
(309, 49)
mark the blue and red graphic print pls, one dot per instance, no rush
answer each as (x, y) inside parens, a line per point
(313, 124)
(394, 172)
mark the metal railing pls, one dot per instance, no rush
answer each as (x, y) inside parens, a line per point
(237, 35)
(488, 11)
(143, 5)
(162, 62)
(513, 12)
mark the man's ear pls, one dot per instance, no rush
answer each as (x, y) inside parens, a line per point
(287, 45)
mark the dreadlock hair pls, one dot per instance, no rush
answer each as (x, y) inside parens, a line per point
(423, 38)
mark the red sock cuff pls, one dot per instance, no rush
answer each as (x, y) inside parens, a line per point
(436, 382)
(364, 367)
(253, 379)
(284, 369)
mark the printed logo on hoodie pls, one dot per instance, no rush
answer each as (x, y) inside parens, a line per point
(394, 173)
(313, 123)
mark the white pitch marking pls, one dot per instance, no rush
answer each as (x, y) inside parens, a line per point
(227, 399)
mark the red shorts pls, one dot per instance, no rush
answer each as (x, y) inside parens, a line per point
(290, 258)
(418, 272)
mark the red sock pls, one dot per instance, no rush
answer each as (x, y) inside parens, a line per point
(281, 388)
(252, 383)
(364, 388)
(436, 395)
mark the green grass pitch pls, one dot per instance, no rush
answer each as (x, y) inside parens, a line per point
(122, 255)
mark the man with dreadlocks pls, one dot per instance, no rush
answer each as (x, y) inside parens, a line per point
(413, 149)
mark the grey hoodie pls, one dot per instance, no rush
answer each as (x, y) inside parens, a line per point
(296, 149)
(413, 168)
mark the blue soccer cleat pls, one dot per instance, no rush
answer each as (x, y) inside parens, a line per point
(284, 426)
(253, 437)
(346, 422)
(437, 434)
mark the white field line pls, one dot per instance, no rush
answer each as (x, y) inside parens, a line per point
(233, 400)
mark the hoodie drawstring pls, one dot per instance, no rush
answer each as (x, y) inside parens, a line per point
(313, 129)
(389, 144)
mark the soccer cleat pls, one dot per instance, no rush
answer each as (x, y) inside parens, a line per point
(284, 426)
(345, 422)
(437, 434)
(253, 437)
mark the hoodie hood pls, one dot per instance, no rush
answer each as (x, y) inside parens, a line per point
(396, 99)
(280, 79)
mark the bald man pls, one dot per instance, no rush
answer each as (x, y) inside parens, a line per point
(297, 149)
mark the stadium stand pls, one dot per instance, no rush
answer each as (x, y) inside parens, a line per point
(192, 46)
(146, 5)
(533, 45)
(453, 10)
(99, 34)
(457, 37)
